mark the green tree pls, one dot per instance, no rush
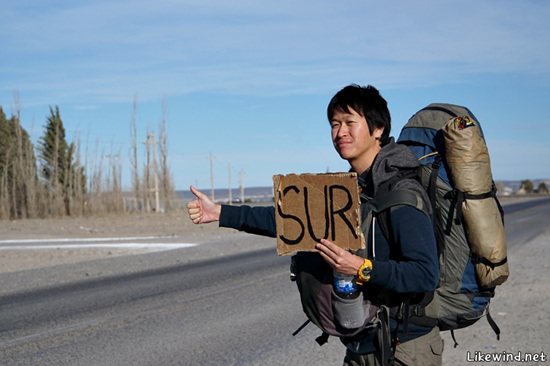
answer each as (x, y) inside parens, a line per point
(17, 169)
(57, 166)
(527, 186)
(542, 189)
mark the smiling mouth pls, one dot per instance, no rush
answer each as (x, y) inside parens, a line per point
(343, 143)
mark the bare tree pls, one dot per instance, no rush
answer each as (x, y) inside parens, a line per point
(31, 175)
(20, 175)
(97, 205)
(134, 152)
(5, 201)
(166, 186)
(112, 194)
(147, 179)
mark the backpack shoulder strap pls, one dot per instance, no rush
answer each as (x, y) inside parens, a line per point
(380, 205)
(383, 201)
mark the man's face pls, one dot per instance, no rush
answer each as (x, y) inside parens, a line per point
(353, 140)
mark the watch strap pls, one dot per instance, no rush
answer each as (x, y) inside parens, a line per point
(363, 274)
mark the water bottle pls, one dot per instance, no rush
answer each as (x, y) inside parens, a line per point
(349, 309)
(345, 286)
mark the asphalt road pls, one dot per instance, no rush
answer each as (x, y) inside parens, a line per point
(236, 310)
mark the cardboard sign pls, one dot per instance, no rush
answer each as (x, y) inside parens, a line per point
(311, 207)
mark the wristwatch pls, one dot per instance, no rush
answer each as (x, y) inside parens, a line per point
(363, 274)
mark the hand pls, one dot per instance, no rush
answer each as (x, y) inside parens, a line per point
(339, 259)
(203, 209)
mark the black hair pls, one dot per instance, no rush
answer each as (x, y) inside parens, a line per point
(367, 101)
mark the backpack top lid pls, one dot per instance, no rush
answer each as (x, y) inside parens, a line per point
(423, 135)
(423, 126)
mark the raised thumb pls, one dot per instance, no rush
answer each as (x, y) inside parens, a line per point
(196, 192)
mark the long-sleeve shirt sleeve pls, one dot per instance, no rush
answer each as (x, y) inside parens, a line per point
(259, 220)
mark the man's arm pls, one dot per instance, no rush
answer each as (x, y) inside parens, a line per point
(253, 220)
(418, 269)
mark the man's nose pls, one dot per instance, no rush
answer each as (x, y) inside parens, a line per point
(342, 131)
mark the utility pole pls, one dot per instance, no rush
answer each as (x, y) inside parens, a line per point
(241, 187)
(230, 198)
(212, 179)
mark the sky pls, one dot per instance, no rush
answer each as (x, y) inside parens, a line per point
(247, 83)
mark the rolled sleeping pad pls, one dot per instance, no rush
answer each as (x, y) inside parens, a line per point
(469, 164)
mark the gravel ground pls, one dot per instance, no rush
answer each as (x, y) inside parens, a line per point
(170, 225)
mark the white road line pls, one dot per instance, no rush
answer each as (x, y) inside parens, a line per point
(153, 246)
(57, 240)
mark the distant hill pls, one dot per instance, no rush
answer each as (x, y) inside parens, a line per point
(250, 194)
(265, 194)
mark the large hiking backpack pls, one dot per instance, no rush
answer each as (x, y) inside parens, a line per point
(467, 217)
(467, 277)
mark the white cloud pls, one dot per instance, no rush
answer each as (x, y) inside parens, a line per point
(109, 50)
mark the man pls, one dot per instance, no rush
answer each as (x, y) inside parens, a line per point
(361, 124)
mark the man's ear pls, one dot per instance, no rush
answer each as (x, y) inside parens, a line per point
(378, 133)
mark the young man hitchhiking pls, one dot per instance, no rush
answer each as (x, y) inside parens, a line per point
(361, 124)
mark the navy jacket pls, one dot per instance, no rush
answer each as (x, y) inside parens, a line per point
(415, 266)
